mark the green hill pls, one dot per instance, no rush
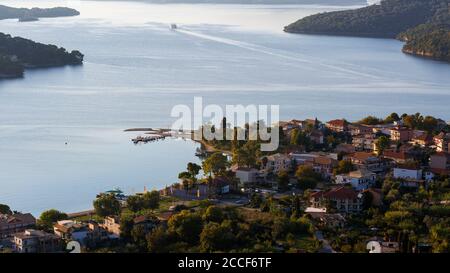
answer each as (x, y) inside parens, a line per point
(17, 13)
(17, 53)
(423, 24)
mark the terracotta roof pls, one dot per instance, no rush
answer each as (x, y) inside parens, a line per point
(397, 155)
(323, 160)
(362, 156)
(337, 123)
(141, 219)
(27, 218)
(164, 216)
(339, 193)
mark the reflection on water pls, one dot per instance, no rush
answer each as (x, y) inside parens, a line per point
(137, 69)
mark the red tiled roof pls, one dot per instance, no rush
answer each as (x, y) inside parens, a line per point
(362, 156)
(339, 193)
(337, 122)
(396, 155)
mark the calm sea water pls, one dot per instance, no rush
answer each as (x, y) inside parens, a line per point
(136, 69)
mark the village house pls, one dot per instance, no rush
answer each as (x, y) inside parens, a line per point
(86, 233)
(277, 162)
(358, 129)
(148, 223)
(442, 142)
(18, 222)
(360, 179)
(337, 125)
(401, 134)
(164, 217)
(440, 163)
(422, 139)
(364, 142)
(368, 161)
(410, 177)
(322, 163)
(112, 225)
(287, 126)
(317, 137)
(400, 157)
(345, 148)
(71, 230)
(384, 129)
(343, 199)
(246, 175)
(221, 185)
(407, 173)
(36, 241)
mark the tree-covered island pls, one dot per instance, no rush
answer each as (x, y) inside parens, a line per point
(17, 53)
(423, 24)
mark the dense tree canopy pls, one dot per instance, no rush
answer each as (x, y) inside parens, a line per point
(423, 24)
(18, 53)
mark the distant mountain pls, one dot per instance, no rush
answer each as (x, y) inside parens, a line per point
(21, 13)
(279, 2)
(17, 53)
(423, 24)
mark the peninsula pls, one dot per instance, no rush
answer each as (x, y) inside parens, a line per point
(17, 53)
(424, 25)
(24, 14)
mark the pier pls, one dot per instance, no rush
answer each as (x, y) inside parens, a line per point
(145, 139)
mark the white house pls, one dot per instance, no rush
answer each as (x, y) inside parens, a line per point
(71, 230)
(246, 175)
(278, 162)
(360, 179)
(406, 173)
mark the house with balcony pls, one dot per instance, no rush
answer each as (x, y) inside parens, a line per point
(277, 162)
(364, 142)
(369, 161)
(15, 223)
(359, 129)
(422, 139)
(337, 125)
(401, 134)
(36, 241)
(342, 199)
(112, 225)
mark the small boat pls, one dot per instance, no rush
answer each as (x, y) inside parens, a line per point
(173, 26)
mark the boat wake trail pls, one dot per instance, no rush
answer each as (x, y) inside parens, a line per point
(274, 52)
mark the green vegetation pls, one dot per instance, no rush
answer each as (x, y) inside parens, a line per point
(5, 209)
(423, 24)
(307, 177)
(49, 217)
(147, 201)
(228, 229)
(13, 13)
(106, 205)
(17, 53)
